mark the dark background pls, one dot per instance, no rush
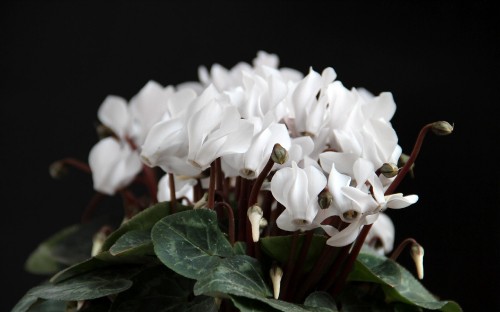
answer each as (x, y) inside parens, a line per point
(60, 60)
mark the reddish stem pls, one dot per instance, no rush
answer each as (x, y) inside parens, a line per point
(395, 254)
(173, 198)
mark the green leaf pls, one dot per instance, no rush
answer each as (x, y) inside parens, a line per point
(92, 285)
(64, 248)
(237, 275)
(190, 242)
(25, 303)
(42, 260)
(160, 289)
(251, 305)
(398, 284)
(322, 300)
(49, 306)
(240, 248)
(268, 305)
(136, 242)
(278, 248)
(144, 220)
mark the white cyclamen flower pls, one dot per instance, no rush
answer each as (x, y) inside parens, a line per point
(216, 130)
(183, 187)
(114, 165)
(297, 190)
(381, 235)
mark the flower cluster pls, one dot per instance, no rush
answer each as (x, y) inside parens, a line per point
(250, 169)
(337, 139)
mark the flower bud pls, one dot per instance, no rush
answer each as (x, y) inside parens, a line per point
(279, 154)
(417, 254)
(276, 273)
(403, 159)
(263, 223)
(325, 199)
(98, 240)
(389, 170)
(255, 214)
(58, 170)
(442, 128)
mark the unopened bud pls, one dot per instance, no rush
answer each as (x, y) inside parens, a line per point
(279, 154)
(442, 128)
(389, 170)
(98, 240)
(403, 159)
(255, 214)
(417, 254)
(325, 199)
(276, 273)
(58, 170)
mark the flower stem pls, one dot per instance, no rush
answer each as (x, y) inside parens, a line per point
(75, 163)
(91, 207)
(334, 269)
(395, 254)
(317, 272)
(364, 232)
(230, 217)
(258, 182)
(290, 266)
(151, 182)
(173, 198)
(242, 212)
(211, 186)
(414, 153)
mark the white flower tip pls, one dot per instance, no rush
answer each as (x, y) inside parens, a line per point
(417, 254)
(98, 240)
(255, 214)
(202, 203)
(276, 273)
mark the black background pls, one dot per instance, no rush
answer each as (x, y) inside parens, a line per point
(60, 60)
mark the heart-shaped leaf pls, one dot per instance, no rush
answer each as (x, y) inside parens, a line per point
(190, 242)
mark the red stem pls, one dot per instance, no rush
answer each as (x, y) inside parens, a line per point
(173, 198)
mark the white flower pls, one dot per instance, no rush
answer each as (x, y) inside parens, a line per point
(216, 130)
(114, 165)
(310, 112)
(183, 187)
(381, 235)
(251, 163)
(297, 190)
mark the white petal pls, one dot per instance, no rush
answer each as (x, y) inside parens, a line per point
(345, 237)
(114, 114)
(397, 201)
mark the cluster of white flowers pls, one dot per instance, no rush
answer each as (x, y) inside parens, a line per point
(336, 138)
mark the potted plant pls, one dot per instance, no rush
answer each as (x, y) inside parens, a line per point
(256, 188)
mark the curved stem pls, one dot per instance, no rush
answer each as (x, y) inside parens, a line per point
(395, 254)
(230, 216)
(414, 153)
